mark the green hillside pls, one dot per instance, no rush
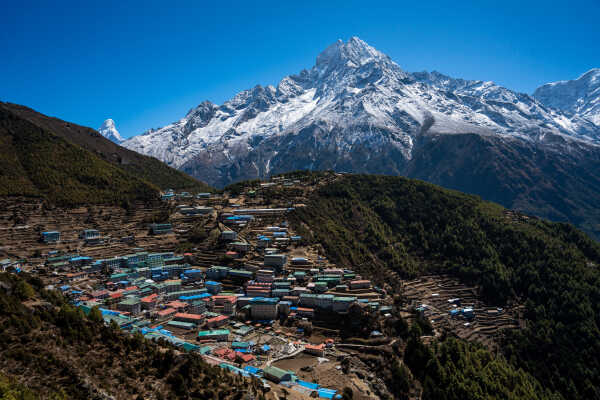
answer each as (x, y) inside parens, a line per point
(383, 224)
(35, 162)
(142, 167)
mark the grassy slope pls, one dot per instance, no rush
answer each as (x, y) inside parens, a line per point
(35, 162)
(143, 167)
(384, 224)
(51, 347)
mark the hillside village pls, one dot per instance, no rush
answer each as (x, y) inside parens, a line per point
(226, 276)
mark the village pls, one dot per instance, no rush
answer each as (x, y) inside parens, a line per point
(250, 297)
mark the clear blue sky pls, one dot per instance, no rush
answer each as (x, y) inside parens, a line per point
(145, 64)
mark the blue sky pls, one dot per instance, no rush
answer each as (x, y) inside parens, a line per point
(145, 64)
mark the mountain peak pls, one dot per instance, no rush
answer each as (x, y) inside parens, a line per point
(109, 131)
(354, 51)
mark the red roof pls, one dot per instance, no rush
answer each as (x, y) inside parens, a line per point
(231, 299)
(314, 347)
(217, 319)
(116, 295)
(177, 304)
(305, 309)
(225, 353)
(197, 317)
(127, 289)
(167, 311)
(244, 357)
(149, 299)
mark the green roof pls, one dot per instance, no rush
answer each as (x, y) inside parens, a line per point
(276, 372)
(344, 298)
(130, 301)
(213, 332)
(182, 324)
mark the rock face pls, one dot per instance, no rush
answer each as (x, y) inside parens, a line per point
(579, 97)
(356, 110)
(109, 131)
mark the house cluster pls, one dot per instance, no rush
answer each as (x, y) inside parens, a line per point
(170, 194)
(264, 279)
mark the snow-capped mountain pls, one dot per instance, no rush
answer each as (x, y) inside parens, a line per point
(579, 97)
(109, 131)
(354, 99)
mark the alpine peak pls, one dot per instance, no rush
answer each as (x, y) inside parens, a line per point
(355, 51)
(109, 131)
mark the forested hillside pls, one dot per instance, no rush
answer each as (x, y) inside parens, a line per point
(137, 165)
(384, 224)
(36, 162)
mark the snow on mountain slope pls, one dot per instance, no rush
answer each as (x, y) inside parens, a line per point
(579, 97)
(109, 131)
(354, 103)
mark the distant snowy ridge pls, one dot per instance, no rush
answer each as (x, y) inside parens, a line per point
(354, 101)
(579, 97)
(109, 131)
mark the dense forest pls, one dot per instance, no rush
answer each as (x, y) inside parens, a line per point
(35, 162)
(51, 350)
(388, 224)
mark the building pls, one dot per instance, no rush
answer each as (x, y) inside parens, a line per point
(217, 321)
(193, 211)
(167, 312)
(178, 305)
(342, 304)
(307, 300)
(229, 235)
(213, 287)
(315, 350)
(325, 301)
(217, 334)
(284, 307)
(261, 211)
(277, 374)
(161, 229)
(360, 284)
(149, 302)
(80, 261)
(240, 274)
(265, 275)
(182, 325)
(193, 318)
(263, 308)
(50, 236)
(305, 312)
(91, 236)
(229, 306)
(197, 307)
(275, 260)
(243, 357)
(217, 272)
(241, 247)
(131, 305)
